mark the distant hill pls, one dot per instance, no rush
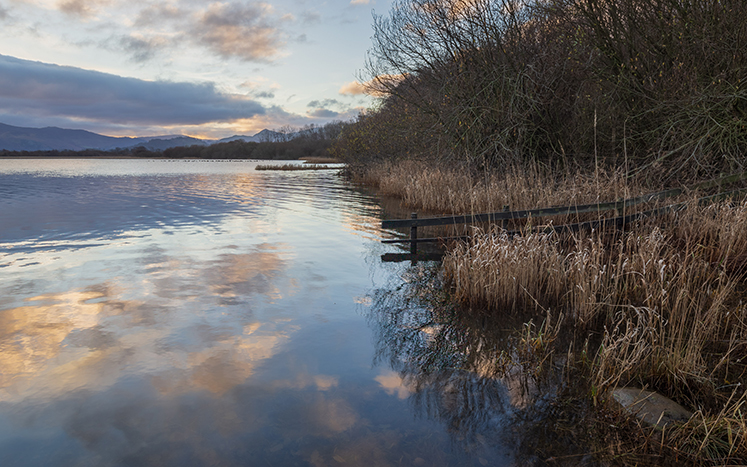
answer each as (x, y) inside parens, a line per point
(13, 138)
(165, 142)
(263, 136)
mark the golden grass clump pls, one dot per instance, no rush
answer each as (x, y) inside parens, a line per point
(698, 244)
(660, 305)
(321, 160)
(666, 298)
(505, 273)
(456, 191)
(292, 167)
(719, 438)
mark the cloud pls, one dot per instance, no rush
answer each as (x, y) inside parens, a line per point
(274, 117)
(248, 32)
(392, 384)
(4, 13)
(321, 108)
(324, 113)
(343, 113)
(377, 87)
(360, 2)
(45, 90)
(140, 49)
(323, 103)
(259, 88)
(311, 17)
(81, 8)
(158, 14)
(353, 88)
(75, 8)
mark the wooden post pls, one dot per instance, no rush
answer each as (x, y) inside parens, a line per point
(414, 235)
(504, 224)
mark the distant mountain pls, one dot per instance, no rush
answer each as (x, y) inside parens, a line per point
(235, 138)
(263, 136)
(165, 142)
(13, 138)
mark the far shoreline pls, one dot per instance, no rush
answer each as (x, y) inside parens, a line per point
(148, 158)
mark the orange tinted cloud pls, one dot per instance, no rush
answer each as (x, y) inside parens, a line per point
(249, 32)
(81, 8)
(353, 88)
(376, 87)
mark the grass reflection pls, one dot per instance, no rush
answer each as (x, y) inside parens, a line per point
(487, 382)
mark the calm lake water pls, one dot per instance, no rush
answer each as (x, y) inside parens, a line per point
(179, 313)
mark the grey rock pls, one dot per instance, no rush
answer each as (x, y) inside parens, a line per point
(650, 407)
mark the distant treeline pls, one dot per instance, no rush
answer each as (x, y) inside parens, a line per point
(293, 149)
(138, 151)
(309, 142)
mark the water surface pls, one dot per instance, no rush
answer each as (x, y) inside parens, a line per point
(179, 313)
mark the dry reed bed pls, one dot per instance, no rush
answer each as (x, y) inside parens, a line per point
(663, 303)
(455, 191)
(292, 167)
(667, 299)
(321, 160)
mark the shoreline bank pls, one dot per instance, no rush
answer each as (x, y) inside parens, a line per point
(641, 292)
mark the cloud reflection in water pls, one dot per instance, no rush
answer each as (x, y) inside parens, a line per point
(194, 319)
(76, 334)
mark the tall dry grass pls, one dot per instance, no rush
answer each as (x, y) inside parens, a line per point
(667, 300)
(293, 167)
(455, 190)
(660, 305)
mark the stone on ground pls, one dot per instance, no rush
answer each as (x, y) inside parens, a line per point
(651, 407)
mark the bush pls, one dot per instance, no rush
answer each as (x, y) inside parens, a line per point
(656, 87)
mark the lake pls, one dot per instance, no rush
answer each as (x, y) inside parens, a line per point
(179, 313)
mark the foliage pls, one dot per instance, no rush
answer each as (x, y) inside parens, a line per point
(657, 87)
(666, 299)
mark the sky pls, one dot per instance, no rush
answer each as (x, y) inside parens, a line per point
(208, 69)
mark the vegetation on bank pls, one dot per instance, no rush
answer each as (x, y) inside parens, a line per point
(314, 145)
(293, 167)
(454, 189)
(660, 305)
(137, 152)
(659, 89)
(492, 103)
(321, 160)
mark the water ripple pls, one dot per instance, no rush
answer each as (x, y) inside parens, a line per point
(74, 209)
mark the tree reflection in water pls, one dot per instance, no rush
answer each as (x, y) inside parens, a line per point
(489, 379)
